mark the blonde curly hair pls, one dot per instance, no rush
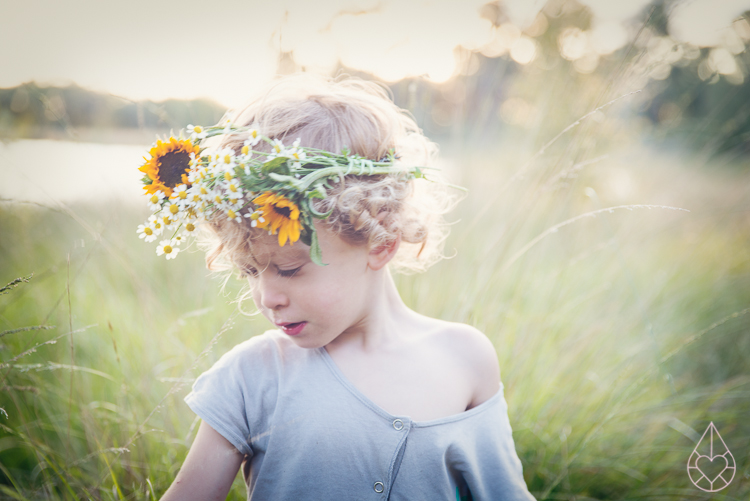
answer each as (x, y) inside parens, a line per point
(332, 114)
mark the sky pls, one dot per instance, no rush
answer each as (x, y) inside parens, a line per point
(227, 49)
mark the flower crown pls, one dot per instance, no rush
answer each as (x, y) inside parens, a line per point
(186, 184)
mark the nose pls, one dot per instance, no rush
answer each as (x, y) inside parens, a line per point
(271, 290)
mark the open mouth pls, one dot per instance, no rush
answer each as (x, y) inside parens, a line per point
(293, 329)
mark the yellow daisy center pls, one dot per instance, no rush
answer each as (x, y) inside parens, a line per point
(217, 199)
(228, 176)
(167, 249)
(227, 159)
(190, 227)
(197, 129)
(204, 191)
(277, 148)
(183, 195)
(154, 199)
(231, 214)
(174, 209)
(233, 188)
(245, 150)
(148, 231)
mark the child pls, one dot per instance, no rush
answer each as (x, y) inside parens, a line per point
(352, 395)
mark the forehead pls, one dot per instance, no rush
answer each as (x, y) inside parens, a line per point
(265, 249)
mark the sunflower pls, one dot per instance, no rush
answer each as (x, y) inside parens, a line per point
(279, 213)
(169, 165)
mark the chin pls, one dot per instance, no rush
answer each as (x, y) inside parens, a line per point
(308, 344)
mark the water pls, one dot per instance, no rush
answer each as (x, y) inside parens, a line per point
(49, 172)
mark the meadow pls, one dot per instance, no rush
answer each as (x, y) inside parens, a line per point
(615, 289)
(620, 334)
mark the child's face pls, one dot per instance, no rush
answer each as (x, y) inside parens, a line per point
(312, 304)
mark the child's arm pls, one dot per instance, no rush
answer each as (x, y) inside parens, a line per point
(209, 468)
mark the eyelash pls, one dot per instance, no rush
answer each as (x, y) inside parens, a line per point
(252, 272)
(288, 273)
(249, 272)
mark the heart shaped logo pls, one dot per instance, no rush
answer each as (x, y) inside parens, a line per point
(711, 467)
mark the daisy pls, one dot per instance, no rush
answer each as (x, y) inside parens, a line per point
(205, 193)
(168, 248)
(172, 209)
(296, 154)
(226, 156)
(217, 199)
(277, 150)
(194, 195)
(189, 229)
(146, 232)
(154, 201)
(179, 193)
(156, 225)
(256, 218)
(196, 132)
(233, 215)
(227, 127)
(169, 223)
(234, 202)
(234, 188)
(252, 139)
(197, 175)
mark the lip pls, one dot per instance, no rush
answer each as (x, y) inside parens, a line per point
(291, 328)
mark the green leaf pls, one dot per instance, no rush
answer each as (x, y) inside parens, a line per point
(318, 192)
(277, 164)
(315, 253)
(306, 238)
(147, 180)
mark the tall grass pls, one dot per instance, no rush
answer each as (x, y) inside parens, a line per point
(620, 336)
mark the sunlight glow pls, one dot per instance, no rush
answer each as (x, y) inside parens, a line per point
(703, 22)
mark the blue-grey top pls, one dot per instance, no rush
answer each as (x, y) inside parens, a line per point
(309, 433)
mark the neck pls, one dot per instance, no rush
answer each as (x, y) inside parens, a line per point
(381, 324)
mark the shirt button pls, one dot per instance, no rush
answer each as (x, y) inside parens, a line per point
(379, 487)
(398, 424)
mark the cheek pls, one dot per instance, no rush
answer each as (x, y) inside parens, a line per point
(256, 296)
(342, 294)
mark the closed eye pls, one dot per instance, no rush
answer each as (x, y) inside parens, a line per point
(249, 272)
(288, 273)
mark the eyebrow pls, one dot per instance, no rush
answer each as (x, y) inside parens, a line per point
(295, 261)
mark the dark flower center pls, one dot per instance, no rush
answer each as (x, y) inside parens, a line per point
(284, 211)
(172, 166)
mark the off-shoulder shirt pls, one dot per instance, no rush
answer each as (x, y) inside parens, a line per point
(308, 433)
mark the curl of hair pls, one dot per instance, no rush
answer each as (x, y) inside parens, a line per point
(332, 114)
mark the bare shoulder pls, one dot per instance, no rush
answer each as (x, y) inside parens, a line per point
(477, 355)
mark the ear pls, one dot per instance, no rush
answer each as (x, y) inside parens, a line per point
(381, 255)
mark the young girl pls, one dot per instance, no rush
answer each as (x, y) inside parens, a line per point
(352, 395)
